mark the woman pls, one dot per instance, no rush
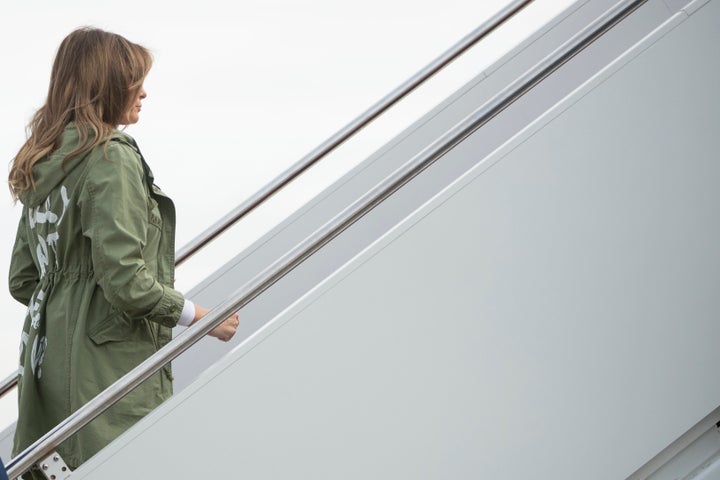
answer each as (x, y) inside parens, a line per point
(94, 253)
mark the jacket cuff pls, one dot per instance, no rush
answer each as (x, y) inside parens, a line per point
(168, 310)
(188, 314)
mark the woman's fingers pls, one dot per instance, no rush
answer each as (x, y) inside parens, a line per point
(226, 330)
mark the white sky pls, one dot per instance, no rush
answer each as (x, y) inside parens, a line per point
(239, 92)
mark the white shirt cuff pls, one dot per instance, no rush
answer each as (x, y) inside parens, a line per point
(188, 314)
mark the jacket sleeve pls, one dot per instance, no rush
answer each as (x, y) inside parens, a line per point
(24, 276)
(114, 216)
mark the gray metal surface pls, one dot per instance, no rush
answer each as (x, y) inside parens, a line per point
(286, 236)
(695, 451)
(6, 435)
(6, 442)
(566, 284)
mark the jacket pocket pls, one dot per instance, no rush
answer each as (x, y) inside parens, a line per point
(154, 216)
(114, 328)
(153, 333)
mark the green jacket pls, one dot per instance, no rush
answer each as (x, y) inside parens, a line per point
(94, 262)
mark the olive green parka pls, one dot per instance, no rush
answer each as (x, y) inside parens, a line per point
(94, 262)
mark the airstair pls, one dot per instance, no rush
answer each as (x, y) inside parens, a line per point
(525, 283)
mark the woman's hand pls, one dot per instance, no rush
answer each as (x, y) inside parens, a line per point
(226, 330)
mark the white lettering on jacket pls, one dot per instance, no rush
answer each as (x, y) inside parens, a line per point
(23, 343)
(37, 355)
(46, 248)
(34, 309)
(48, 243)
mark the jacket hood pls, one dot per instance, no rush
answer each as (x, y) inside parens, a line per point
(50, 171)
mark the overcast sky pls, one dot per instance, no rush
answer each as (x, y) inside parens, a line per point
(239, 92)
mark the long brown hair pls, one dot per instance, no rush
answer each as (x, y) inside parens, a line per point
(95, 77)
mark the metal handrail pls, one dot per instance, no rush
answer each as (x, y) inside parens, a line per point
(8, 384)
(340, 137)
(281, 267)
